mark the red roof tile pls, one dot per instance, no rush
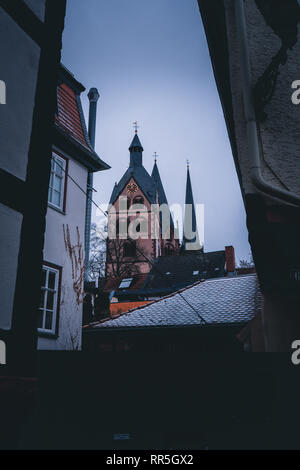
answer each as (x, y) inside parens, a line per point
(117, 308)
(68, 116)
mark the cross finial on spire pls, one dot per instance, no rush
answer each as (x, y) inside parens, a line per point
(188, 163)
(135, 126)
(155, 156)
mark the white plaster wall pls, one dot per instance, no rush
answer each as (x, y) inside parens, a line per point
(280, 143)
(70, 321)
(21, 58)
(10, 230)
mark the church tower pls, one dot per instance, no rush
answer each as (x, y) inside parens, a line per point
(131, 219)
(191, 242)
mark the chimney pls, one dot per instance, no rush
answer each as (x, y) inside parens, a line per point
(93, 96)
(230, 260)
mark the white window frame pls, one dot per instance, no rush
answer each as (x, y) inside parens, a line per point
(46, 289)
(57, 160)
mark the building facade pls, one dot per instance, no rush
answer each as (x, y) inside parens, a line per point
(136, 233)
(30, 48)
(31, 35)
(73, 158)
(254, 48)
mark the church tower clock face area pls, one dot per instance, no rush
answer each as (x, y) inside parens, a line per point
(132, 188)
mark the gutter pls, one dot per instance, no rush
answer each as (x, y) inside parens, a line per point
(252, 136)
(93, 96)
(87, 329)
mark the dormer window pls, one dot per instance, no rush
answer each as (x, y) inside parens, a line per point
(125, 283)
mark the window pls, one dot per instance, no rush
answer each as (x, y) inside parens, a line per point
(195, 273)
(49, 300)
(129, 249)
(125, 283)
(57, 182)
(138, 200)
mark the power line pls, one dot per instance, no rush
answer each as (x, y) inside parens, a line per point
(140, 251)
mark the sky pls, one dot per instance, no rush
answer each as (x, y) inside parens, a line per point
(150, 63)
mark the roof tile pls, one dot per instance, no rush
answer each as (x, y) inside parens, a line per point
(217, 301)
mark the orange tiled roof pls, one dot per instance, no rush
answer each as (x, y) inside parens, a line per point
(121, 307)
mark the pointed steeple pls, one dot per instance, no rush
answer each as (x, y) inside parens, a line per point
(162, 199)
(190, 223)
(136, 150)
(137, 172)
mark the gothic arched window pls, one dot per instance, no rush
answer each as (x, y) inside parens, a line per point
(138, 200)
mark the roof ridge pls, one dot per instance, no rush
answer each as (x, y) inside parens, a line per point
(149, 304)
(228, 278)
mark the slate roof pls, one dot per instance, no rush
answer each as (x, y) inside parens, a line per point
(136, 143)
(162, 198)
(138, 172)
(143, 179)
(224, 301)
(70, 123)
(181, 269)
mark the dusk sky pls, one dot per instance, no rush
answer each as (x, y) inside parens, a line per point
(150, 63)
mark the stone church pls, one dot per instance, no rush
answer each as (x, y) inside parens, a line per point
(130, 203)
(143, 268)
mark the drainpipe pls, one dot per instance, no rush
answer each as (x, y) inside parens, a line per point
(252, 136)
(93, 96)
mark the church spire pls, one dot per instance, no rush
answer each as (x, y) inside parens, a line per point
(162, 198)
(158, 183)
(190, 243)
(136, 150)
